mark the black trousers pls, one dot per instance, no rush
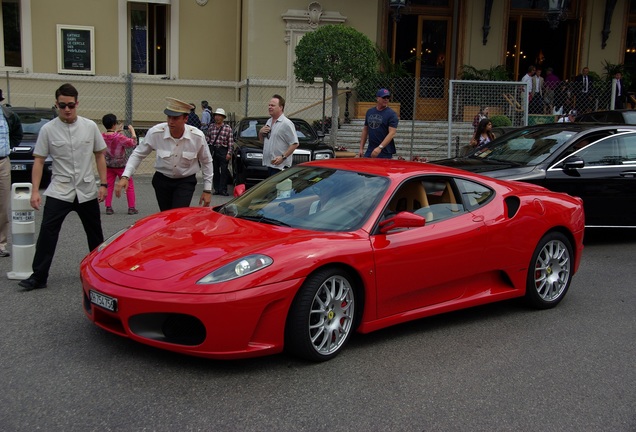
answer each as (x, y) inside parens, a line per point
(219, 165)
(173, 193)
(55, 211)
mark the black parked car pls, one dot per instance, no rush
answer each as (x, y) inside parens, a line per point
(625, 116)
(247, 155)
(592, 161)
(21, 156)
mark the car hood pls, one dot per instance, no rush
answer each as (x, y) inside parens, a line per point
(495, 169)
(171, 243)
(248, 143)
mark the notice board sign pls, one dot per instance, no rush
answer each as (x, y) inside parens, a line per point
(75, 50)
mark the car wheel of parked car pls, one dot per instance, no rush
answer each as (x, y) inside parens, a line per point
(550, 271)
(322, 316)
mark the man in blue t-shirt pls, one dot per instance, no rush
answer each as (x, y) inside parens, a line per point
(380, 126)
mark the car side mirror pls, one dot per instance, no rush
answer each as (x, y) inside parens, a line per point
(573, 163)
(320, 134)
(402, 220)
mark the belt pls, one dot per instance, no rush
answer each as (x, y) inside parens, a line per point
(3, 157)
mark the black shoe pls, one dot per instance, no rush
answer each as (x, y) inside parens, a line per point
(216, 193)
(224, 193)
(31, 284)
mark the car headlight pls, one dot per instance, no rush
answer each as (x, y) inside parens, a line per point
(112, 238)
(238, 268)
(321, 156)
(254, 156)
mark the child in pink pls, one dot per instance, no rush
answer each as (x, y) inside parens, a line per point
(116, 159)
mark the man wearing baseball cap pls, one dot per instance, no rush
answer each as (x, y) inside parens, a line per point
(180, 149)
(380, 127)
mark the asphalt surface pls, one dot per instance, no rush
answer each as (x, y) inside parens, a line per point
(500, 367)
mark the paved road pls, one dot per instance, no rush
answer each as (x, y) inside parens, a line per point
(493, 368)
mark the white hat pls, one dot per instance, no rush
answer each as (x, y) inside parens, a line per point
(220, 111)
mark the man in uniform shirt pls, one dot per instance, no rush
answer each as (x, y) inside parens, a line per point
(180, 149)
(72, 142)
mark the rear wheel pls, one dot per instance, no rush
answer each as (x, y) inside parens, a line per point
(550, 271)
(322, 316)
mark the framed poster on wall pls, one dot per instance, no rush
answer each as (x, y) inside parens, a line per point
(75, 50)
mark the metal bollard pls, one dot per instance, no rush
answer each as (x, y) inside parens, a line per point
(22, 231)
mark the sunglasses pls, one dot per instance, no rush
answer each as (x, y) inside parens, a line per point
(386, 97)
(63, 105)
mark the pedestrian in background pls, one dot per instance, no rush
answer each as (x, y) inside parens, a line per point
(206, 116)
(221, 141)
(193, 118)
(181, 150)
(116, 157)
(482, 114)
(72, 142)
(10, 136)
(483, 134)
(380, 126)
(278, 136)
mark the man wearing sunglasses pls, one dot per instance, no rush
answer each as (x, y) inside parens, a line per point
(72, 142)
(380, 126)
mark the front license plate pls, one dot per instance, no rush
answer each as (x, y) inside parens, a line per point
(18, 167)
(101, 300)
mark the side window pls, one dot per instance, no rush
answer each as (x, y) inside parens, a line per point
(627, 148)
(474, 195)
(602, 153)
(584, 142)
(434, 198)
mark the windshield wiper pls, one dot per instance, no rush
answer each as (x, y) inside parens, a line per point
(263, 219)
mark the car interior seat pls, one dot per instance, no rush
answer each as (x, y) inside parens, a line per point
(411, 197)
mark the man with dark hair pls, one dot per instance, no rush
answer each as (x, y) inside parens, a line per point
(71, 141)
(279, 137)
(206, 116)
(10, 136)
(180, 150)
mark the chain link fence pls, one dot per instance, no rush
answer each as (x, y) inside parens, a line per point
(424, 105)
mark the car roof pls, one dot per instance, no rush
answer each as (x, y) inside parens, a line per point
(394, 168)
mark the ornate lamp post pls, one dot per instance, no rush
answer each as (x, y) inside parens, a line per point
(557, 12)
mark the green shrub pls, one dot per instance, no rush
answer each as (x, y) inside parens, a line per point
(500, 120)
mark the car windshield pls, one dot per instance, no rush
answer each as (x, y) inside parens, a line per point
(33, 122)
(312, 198)
(524, 147)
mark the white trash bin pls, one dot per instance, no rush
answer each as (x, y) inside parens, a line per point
(22, 231)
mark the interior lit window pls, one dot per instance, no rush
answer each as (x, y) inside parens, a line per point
(12, 47)
(148, 38)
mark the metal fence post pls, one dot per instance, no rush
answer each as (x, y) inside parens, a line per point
(247, 97)
(129, 99)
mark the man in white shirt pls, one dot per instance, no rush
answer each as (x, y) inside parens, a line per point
(527, 78)
(180, 149)
(72, 142)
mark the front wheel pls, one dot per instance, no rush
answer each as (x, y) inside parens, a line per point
(322, 316)
(550, 271)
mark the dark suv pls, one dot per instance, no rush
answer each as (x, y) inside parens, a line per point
(21, 156)
(247, 154)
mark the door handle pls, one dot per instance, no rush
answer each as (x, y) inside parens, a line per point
(478, 218)
(628, 174)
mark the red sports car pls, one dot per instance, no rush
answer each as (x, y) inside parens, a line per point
(309, 256)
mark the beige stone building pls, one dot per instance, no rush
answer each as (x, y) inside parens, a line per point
(127, 55)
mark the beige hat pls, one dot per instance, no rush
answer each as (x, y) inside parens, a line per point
(220, 111)
(177, 108)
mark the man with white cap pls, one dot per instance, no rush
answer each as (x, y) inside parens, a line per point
(180, 149)
(221, 141)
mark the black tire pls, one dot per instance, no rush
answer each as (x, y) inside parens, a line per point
(322, 317)
(550, 271)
